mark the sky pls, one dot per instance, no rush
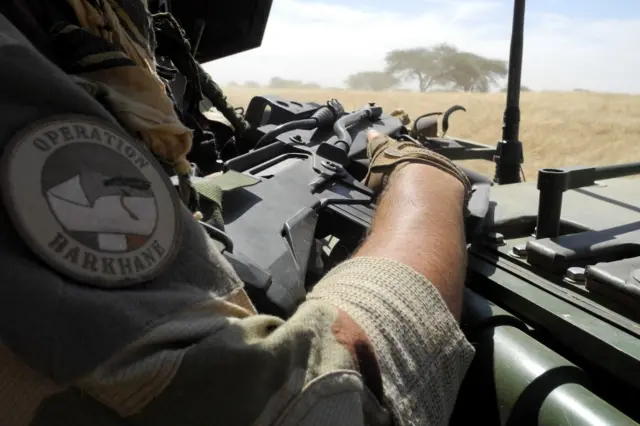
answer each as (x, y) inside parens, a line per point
(569, 44)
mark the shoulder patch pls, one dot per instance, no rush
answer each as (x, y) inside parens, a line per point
(90, 202)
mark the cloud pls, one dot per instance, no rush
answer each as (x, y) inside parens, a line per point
(322, 42)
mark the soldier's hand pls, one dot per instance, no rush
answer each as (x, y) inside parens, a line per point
(387, 155)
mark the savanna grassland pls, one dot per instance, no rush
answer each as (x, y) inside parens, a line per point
(557, 129)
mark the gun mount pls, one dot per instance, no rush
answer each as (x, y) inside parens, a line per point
(554, 317)
(553, 279)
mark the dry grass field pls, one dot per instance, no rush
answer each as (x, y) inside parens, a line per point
(557, 129)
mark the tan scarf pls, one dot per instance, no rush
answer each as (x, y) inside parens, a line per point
(135, 94)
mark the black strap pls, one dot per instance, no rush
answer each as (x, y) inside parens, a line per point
(172, 43)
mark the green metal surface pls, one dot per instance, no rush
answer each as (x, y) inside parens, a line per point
(586, 409)
(615, 349)
(574, 294)
(516, 380)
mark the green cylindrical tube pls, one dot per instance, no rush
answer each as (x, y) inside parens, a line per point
(516, 380)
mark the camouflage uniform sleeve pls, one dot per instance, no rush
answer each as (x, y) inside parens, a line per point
(373, 345)
(215, 363)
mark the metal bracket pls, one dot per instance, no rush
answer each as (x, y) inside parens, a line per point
(329, 170)
(552, 183)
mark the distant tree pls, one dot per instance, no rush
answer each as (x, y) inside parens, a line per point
(283, 83)
(232, 84)
(252, 84)
(419, 64)
(473, 73)
(582, 90)
(372, 80)
(445, 65)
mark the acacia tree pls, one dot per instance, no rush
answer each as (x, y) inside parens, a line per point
(414, 64)
(372, 80)
(444, 65)
(473, 73)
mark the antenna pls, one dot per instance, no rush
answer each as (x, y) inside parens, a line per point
(509, 155)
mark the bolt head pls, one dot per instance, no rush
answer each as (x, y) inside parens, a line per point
(330, 165)
(520, 250)
(576, 273)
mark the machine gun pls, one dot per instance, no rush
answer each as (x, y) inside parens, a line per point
(553, 282)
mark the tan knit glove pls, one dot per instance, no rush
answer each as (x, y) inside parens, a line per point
(386, 155)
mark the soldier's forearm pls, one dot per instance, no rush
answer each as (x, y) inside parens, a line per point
(403, 288)
(419, 223)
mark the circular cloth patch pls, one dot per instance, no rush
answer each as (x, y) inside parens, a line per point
(90, 202)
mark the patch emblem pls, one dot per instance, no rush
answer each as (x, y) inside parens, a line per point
(90, 202)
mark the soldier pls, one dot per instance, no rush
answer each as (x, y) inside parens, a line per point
(115, 307)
